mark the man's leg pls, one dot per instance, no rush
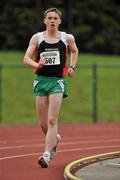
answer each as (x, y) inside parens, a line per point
(42, 112)
(51, 136)
(55, 101)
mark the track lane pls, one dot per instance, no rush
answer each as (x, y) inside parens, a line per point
(20, 146)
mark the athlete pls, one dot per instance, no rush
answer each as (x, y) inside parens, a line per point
(51, 66)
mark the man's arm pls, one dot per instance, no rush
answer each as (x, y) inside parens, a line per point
(29, 54)
(74, 54)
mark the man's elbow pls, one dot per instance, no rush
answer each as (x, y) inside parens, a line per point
(25, 60)
(75, 51)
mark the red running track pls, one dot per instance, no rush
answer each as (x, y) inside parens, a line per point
(20, 147)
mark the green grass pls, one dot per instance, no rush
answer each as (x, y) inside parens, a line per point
(18, 102)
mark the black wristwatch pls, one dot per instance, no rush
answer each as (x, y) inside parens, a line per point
(72, 68)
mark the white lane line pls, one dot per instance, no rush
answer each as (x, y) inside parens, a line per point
(22, 140)
(65, 139)
(21, 146)
(62, 151)
(18, 156)
(62, 143)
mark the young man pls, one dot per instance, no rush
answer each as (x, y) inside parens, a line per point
(51, 47)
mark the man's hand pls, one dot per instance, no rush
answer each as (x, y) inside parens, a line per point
(41, 62)
(71, 72)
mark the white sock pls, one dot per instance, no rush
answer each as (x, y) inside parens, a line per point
(46, 155)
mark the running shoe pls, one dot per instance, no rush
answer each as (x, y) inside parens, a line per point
(54, 150)
(43, 160)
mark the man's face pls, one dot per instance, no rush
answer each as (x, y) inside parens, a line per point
(52, 20)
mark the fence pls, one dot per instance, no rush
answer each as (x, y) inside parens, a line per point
(95, 89)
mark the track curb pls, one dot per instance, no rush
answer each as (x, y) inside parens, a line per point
(70, 168)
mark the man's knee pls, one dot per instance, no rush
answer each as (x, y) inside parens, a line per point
(51, 121)
(44, 127)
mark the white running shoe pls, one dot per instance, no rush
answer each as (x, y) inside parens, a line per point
(54, 150)
(43, 160)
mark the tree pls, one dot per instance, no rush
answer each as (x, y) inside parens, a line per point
(95, 24)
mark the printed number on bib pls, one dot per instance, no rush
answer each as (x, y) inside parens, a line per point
(52, 57)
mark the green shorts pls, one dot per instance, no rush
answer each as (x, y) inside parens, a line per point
(44, 86)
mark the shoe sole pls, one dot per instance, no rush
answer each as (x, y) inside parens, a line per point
(42, 163)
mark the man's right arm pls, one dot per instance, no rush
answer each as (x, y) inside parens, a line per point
(29, 54)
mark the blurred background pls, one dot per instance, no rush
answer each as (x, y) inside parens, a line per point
(95, 24)
(94, 92)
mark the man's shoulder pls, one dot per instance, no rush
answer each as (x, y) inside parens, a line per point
(38, 33)
(70, 36)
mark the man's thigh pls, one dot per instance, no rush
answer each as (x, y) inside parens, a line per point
(55, 101)
(42, 107)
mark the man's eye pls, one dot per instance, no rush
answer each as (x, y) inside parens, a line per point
(49, 18)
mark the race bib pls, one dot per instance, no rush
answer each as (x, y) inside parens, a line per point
(52, 57)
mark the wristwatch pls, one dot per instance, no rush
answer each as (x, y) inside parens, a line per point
(72, 68)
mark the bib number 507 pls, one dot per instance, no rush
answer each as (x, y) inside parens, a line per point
(50, 60)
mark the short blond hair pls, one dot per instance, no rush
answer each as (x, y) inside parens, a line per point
(53, 10)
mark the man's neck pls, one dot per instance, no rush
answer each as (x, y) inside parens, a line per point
(52, 33)
(51, 36)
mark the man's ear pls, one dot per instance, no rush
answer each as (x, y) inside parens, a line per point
(44, 20)
(60, 21)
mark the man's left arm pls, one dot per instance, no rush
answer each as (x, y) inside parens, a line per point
(74, 54)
